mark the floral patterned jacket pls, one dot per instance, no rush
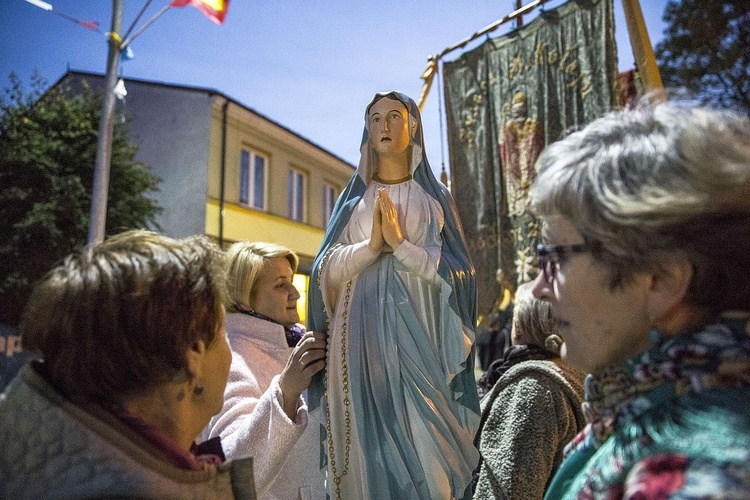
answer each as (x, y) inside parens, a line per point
(673, 422)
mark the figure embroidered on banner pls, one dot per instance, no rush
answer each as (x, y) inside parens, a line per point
(521, 141)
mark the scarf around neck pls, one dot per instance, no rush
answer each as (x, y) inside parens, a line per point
(293, 333)
(718, 356)
(514, 355)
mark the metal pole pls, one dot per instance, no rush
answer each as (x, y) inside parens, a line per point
(100, 187)
(432, 61)
(492, 27)
(222, 180)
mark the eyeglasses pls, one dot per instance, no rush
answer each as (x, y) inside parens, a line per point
(551, 255)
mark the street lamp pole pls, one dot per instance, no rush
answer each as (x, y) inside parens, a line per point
(100, 187)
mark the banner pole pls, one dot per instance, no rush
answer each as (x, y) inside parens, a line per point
(645, 60)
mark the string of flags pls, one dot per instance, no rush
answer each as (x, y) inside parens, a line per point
(92, 25)
(215, 10)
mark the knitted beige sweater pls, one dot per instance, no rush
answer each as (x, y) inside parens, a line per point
(532, 412)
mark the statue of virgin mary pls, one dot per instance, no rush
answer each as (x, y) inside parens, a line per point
(394, 288)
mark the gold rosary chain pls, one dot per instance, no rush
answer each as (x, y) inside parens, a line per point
(345, 389)
(347, 416)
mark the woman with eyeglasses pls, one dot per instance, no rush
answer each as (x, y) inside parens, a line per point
(647, 268)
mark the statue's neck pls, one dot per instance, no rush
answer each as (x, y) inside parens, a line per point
(393, 168)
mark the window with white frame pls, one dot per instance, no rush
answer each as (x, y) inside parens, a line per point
(329, 199)
(253, 179)
(296, 192)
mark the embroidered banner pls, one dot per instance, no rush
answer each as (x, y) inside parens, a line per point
(505, 100)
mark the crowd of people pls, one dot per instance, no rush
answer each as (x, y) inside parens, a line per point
(170, 368)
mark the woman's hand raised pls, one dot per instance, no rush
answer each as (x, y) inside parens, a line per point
(307, 359)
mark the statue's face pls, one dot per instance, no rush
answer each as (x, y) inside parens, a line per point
(388, 127)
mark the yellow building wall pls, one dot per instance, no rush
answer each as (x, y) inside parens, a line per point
(284, 150)
(245, 224)
(302, 283)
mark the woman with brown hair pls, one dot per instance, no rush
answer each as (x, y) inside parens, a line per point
(134, 360)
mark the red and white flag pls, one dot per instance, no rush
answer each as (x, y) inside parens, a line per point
(215, 10)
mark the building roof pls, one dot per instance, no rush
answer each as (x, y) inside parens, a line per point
(210, 91)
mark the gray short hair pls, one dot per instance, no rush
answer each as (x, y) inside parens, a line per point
(533, 318)
(649, 185)
(245, 260)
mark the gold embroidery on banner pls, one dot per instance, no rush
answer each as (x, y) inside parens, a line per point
(516, 66)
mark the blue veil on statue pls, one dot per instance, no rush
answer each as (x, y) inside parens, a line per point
(455, 311)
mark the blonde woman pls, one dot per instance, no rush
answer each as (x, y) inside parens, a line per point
(273, 360)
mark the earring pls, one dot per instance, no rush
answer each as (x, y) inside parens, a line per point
(198, 389)
(655, 337)
(553, 343)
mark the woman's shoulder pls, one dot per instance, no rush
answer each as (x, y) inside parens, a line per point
(674, 474)
(712, 458)
(713, 419)
(534, 386)
(36, 420)
(702, 439)
(547, 371)
(537, 386)
(254, 333)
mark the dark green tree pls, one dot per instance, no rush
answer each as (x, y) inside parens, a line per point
(47, 156)
(706, 49)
